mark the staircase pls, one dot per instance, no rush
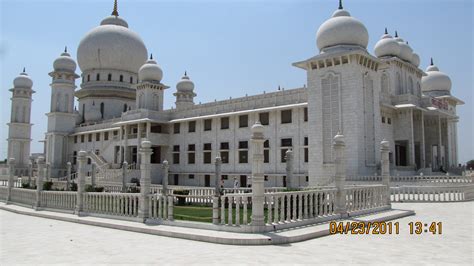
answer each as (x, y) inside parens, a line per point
(97, 159)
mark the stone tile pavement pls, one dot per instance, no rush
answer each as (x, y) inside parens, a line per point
(32, 240)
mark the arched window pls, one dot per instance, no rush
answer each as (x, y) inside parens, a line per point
(88, 77)
(418, 89)
(121, 78)
(384, 83)
(109, 77)
(102, 107)
(131, 79)
(125, 107)
(399, 84)
(410, 85)
(97, 77)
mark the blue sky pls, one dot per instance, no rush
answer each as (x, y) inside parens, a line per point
(229, 48)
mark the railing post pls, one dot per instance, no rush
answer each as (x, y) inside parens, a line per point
(124, 176)
(93, 170)
(81, 181)
(164, 181)
(170, 208)
(68, 176)
(385, 168)
(145, 180)
(258, 189)
(30, 170)
(290, 182)
(11, 174)
(217, 191)
(39, 181)
(340, 174)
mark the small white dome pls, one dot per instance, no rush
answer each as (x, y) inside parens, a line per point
(185, 84)
(64, 62)
(387, 46)
(435, 80)
(415, 59)
(341, 29)
(406, 52)
(150, 71)
(23, 81)
(93, 113)
(111, 46)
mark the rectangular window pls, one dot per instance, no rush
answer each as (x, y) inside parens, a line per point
(225, 156)
(191, 176)
(191, 126)
(156, 129)
(97, 136)
(286, 116)
(243, 144)
(243, 121)
(176, 148)
(264, 118)
(176, 158)
(243, 156)
(191, 158)
(306, 155)
(82, 138)
(89, 138)
(191, 147)
(176, 128)
(383, 119)
(224, 145)
(287, 142)
(225, 177)
(305, 114)
(266, 151)
(75, 139)
(106, 135)
(306, 141)
(74, 157)
(207, 157)
(224, 122)
(265, 177)
(207, 146)
(207, 124)
(389, 120)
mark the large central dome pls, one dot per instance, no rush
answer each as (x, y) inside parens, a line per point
(111, 46)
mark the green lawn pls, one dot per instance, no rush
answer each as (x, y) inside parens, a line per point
(204, 214)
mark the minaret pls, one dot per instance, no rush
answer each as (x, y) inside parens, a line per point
(19, 134)
(184, 93)
(62, 117)
(150, 90)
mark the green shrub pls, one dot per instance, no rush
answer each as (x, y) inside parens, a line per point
(133, 190)
(48, 185)
(135, 181)
(73, 186)
(27, 186)
(90, 188)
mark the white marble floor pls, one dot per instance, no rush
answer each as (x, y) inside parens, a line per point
(31, 240)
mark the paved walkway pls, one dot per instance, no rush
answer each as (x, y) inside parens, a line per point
(32, 240)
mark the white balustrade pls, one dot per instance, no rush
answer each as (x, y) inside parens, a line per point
(159, 206)
(232, 205)
(365, 197)
(58, 199)
(432, 193)
(119, 204)
(24, 196)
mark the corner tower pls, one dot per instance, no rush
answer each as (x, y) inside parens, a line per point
(184, 93)
(342, 97)
(150, 90)
(62, 116)
(19, 128)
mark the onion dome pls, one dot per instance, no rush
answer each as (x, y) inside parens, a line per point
(185, 84)
(93, 113)
(415, 59)
(406, 52)
(112, 46)
(23, 81)
(341, 29)
(64, 62)
(150, 71)
(387, 46)
(435, 80)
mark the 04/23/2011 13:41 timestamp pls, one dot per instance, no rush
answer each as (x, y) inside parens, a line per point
(385, 228)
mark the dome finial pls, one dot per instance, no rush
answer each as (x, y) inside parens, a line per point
(151, 56)
(65, 49)
(115, 11)
(386, 32)
(185, 73)
(396, 34)
(430, 64)
(24, 69)
(340, 4)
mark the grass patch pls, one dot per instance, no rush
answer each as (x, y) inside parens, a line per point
(204, 214)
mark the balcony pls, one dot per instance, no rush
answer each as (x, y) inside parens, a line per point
(405, 99)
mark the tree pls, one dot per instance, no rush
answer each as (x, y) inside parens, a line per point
(470, 164)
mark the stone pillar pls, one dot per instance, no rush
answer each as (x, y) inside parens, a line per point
(125, 145)
(170, 208)
(145, 180)
(120, 159)
(48, 171)
(68, 176)
(81, 181)
(340, 174)
(423, 147)
(11, 179)
(30, 171)
(39, 181)
(164, 181)
(139, 141)
(258, 190)
(217, 191)
(148, 129)
(93, 170)
(385, 168)
(290, 182)
(124, 177)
